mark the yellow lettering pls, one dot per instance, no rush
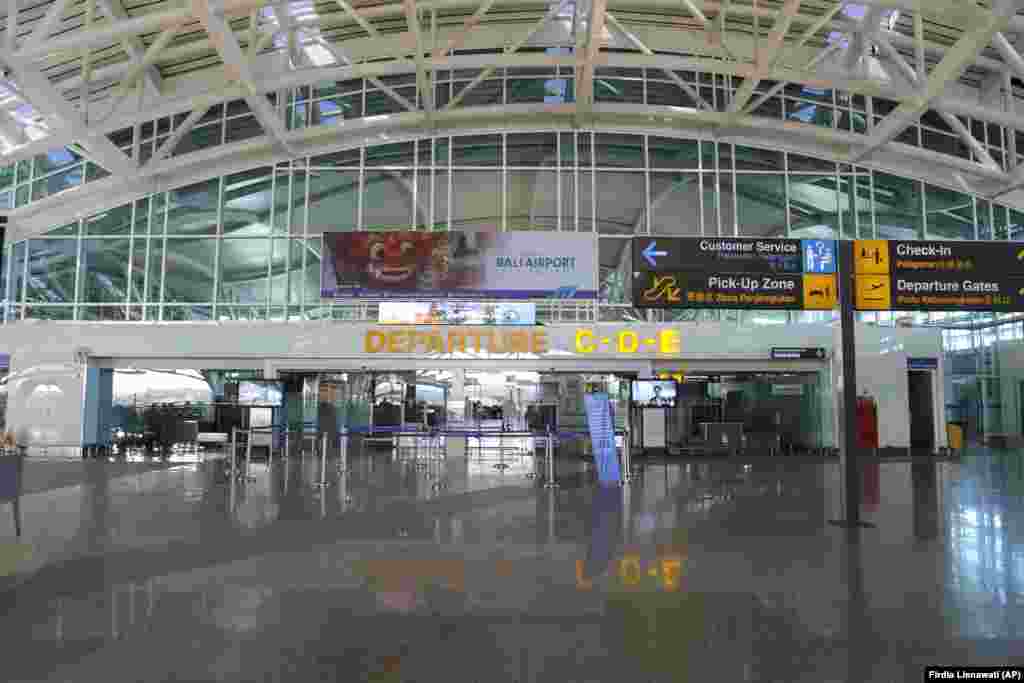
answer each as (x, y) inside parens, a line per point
(629, 570)
(671, 568)
(540, 342)
(375, 341)
(629, 342)
(475, 336)
(395, 342)
(582, 582)
(584, 341)
(669, 341)
(435, 341)
(518, 342)
(456, 341)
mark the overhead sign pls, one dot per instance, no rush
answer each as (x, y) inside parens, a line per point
(797, 353)
(454, 265)
(922, 363)
(456, 313)
(901, 275)
(737, 272)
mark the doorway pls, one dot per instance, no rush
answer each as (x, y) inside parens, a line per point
(922, 409)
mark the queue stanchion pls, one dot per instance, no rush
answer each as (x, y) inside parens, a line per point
(322, 484)
(233, 471)
(248, 457)
(343, 451)
(550, 448)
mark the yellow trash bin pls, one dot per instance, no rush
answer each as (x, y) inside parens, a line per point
(955, 436)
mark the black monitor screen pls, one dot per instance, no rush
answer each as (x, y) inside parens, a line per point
(260, 393)
(650, 392)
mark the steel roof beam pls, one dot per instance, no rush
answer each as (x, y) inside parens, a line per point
(424, 81)
(236, 68)
(133, 45)
(585, 71)
(987, 24)
(766, 60)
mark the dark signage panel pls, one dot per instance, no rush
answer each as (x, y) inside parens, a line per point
(922, 363)
(781, 291)
(724, 255)
(956, 257)
(947, 291)
(797, 353)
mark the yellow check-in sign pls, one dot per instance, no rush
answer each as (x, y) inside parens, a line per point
(820, 292)
(874, 293)
(871, 257)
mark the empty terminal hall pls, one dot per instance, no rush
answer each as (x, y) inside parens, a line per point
(527, 342)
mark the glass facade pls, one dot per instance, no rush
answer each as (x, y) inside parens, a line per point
(247, 245)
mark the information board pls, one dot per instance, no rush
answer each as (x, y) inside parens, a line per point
(602, 436)
(735, 272)
(900, 275)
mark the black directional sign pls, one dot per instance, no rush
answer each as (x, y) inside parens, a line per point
(797, 353)
(900, 275)
(734, 272)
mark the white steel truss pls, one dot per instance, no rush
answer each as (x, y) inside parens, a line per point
(902, 51)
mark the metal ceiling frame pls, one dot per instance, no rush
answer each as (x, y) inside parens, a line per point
(786, 47)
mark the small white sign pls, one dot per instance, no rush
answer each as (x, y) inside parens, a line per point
(787, 390)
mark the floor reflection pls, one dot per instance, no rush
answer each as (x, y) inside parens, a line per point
(712, 570)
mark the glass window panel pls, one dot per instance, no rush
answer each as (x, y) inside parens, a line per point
(200, 137)
(569, 213)
(190, 264)
(296, 195)
(476, 200)
(117, 221)
(23, 170)
(379, 103)
(813, 206)
(476, 150)
(388, 200)
(761, 204)
(141, 219)
(158, 214)
(333, 201)
(102, 313)
(7, 199)
(533, 200)
(280, 273)
(57, 182)
(863, 205)
(672, 153)
(192, 210)
(17, 280)
(442, 147)
(7, 175)
(103, 271)
(491, 91)
(620, 202)
(51, 271)
(425, 198)
(50, 312)
(22, 196)
(984, 218)
(247, 203)
(531, 149)
(615, 279)
(584, 148)
(770, 108)
(675, 203)
(395, 154)
(618, 90)
(137, 278)
(620, 150)
(311, 275)
(243, 271)
(187, 313)
(523, 90)
(346, 157)
(999, 222)
(710, 203)
(243, 128)
(898, 207)
(1015, 229)
(801, 163)
(666, 93)
(756, 159)
(950, 215)
(68, 229)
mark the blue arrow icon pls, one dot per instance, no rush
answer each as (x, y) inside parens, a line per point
(650, 252)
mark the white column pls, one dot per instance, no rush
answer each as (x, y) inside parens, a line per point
(45, 399)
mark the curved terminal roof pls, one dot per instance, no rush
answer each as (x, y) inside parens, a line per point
(91, 75)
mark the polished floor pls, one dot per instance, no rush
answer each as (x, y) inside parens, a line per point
(456, 570)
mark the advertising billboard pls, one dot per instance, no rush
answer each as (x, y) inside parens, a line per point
(456, 313)
(454, 265)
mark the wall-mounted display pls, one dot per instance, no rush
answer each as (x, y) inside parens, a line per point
(259, 393)
(456, 313)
